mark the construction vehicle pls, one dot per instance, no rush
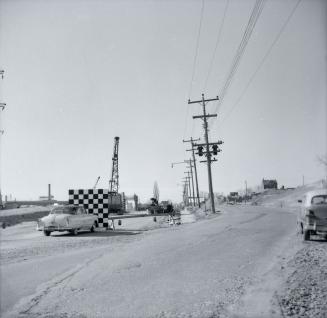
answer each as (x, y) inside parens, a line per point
(154, 207)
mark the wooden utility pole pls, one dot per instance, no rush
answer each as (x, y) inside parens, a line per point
(190, 175)
(191, 171)
(246, 190)
(185, 192)
(195, 170)
(189, 186)
(204, 117)
(2, 107)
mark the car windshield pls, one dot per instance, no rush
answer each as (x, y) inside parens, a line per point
(319, 199)
(64, 210)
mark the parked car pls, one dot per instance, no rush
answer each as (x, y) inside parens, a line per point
(67, 218)
(313, 214)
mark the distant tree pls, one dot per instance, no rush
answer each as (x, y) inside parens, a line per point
(156, 191)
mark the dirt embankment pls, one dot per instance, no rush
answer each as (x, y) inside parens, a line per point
(304, 293)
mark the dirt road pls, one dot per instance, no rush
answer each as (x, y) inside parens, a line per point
(201, 269)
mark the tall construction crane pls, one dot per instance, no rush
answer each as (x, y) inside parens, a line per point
(114, 181)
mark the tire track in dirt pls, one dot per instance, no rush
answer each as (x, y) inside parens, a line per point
(26, 305)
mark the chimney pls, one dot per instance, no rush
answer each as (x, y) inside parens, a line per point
(49, 192)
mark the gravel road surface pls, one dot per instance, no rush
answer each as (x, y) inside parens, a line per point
(200, 269)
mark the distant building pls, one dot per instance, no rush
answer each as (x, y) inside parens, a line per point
(269, 184)
(46, 198)
(233, 194)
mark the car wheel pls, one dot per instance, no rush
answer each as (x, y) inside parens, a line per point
(46, 233)
(306, 235)
(74, 232)
(92, 229)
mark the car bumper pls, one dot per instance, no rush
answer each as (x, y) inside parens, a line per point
(52, 228)
(319, 228)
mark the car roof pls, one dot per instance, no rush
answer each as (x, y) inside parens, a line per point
(313, 193)
(66, 206)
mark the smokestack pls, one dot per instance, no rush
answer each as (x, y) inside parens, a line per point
(49, 192)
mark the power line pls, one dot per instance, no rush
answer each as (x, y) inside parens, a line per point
(216, 45)
(194, 64)
(262, 60)
(256, 12)
(214, 52)
(196, 49)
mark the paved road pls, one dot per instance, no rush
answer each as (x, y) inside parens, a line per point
(194, 270)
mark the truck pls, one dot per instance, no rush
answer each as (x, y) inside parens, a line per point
(233, 198)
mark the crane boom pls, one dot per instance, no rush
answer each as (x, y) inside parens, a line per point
(96, 183)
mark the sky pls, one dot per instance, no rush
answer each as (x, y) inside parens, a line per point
(79, 73)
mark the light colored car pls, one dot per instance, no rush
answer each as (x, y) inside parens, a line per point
(313, 214)
(67, 218)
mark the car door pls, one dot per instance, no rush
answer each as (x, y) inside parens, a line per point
(85, 218)
(80, 217)
(319, 208)
(73, 218)
(303, 208)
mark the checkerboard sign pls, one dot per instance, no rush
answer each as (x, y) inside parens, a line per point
(95, 201)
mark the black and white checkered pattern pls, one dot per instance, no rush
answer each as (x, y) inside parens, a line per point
(95, 201)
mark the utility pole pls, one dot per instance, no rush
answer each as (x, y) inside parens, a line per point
(246, 190)
(189, 161)
(189, 186)
(2, 107)
(195, 170)
(190, 176)
(185, 192)
(191, 171)
(208, 153)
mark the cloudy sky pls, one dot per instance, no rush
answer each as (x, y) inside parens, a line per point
(79, 73)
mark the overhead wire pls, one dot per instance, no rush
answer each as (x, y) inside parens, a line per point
(220, 28)
(194, 64)
(255, 14)
(196, 49)
(262, 61)
(216, 45)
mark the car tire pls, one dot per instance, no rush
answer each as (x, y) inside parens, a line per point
(46, 233)
(92, 229)
(306, 235)
(74, 232)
